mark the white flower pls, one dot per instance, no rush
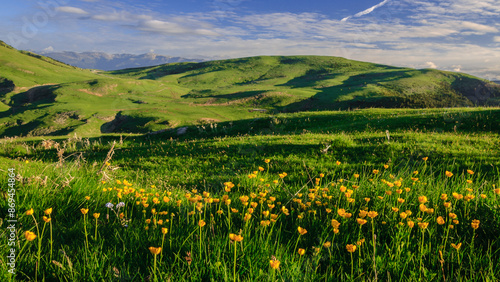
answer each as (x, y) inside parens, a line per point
(120, 204)
(109, 205)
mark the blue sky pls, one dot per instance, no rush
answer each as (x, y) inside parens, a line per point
(456, 35)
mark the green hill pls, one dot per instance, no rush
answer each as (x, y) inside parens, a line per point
(41, 96)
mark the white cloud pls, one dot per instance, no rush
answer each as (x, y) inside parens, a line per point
(71, 10)
(367, 11)
(496, 38)
(48, 49)
(430, 65)
(478, 27)
(171, 28)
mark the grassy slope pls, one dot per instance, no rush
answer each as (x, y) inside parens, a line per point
(43, 97)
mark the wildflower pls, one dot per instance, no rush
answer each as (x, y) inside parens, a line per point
(497, 191)
(30, 212)
(164, 230)
(457, 196)
(87, 198)
(155, 251)
(403, 215)
(47, 219)
(375, 171)
(423, 225)
(48, 211)
(425, 159)
(337, 162)
(335, 223)
(367, 200)
(394, 209)
(336, 230)
(120, 204)
(410, 223)
(327, 244)
(30, 236)
(275, 264)
(267, 161)
(301, 230)
(457, 246)
(372, 214)
(401, 200)
(483, 196)
(440, 220)
(422, 208)
(449, 174)
(109, 205)
(360, 242)
(407, 189)
(470, 172)
(362, 213)
(201, 223)
(235, 238)
(356, 175)
(361, 221)
(301, 251)
(452, 215)
(386, 166)
(96, 215)
(351, 248)
(84, 211)
(247, 217)
(148, 221)
(475, 224)
(422, 199)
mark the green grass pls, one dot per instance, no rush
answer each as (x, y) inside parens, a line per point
(205, 160)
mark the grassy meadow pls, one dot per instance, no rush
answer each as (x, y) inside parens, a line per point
(366, 195)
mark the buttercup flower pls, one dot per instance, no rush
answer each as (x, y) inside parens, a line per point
(30, 236)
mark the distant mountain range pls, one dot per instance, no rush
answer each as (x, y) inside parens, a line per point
(108, 62)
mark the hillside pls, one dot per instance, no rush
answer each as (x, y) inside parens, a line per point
(41, 96)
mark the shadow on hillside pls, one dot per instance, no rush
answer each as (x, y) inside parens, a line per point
(126, 124)
(478, 92)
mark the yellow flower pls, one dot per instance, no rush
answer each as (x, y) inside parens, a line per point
(327, 244)
(401, 200)
(410, 223)
(422, 208)
(267, 161)
(275, 264)
(423, 225)
(475, 224)
(449, 174)
(96, 215)
(440, 220)
(301, 230)
(87, 198)
(336, 230)
(403, 215)
(362, 213)
(30, 212)
(452, 215)
(46, 219)
(422, 199)
(30, 236)
(470, 172)
(351, 248)
(375, 171)
(367, 200)
(356, 175)
(301, 251)
(394, 209)
(457, 246)
(84, 211)
(457, 196)
(261, 168)
(335, 223)
(361, 221)
(234, 237)
(201, 223)
(148, 221)
(164, 230)
(338, 163)
(48, 211)
(247, 217)
(155, 251)
(372, 214)
(497, 191)
(425, 159)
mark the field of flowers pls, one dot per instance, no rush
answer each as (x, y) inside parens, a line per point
(237, 209)
(378, 225)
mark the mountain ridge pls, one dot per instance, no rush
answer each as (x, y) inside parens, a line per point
(107, 62)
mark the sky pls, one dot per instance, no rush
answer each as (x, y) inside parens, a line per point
(453, 35)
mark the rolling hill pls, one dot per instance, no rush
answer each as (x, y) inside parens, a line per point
(41, 96)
